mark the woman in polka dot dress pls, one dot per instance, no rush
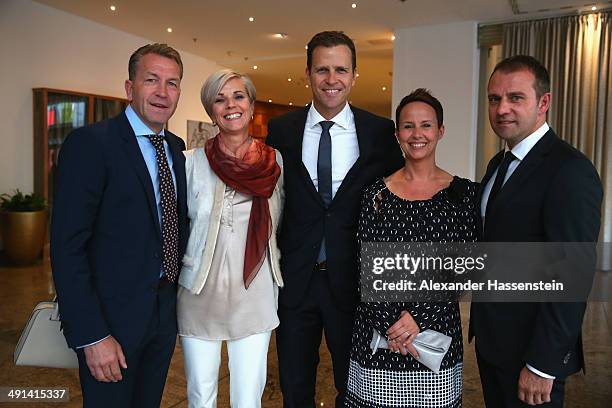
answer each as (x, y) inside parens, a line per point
(418, 203)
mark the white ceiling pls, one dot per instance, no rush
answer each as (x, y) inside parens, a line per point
(220, 31)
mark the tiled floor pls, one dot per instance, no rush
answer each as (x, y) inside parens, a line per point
(22, 288)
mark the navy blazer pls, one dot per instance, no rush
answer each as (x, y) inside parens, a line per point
(106, 242)
(554, 195)
(305, 217)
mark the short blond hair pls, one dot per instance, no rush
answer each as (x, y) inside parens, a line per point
(213, 84)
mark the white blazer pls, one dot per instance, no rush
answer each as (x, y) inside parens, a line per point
(205, 192)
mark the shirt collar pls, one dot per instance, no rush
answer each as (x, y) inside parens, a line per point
(138, 126)
(342, 119)
(525, 145)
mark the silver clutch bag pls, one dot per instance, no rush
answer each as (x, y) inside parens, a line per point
(431, 345)
(42, 343)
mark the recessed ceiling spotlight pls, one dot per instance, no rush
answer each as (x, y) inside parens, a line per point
(384, 88)
(113, 8)
(280, 35)
(288, 79)
(255, 67)
(251, 19)
(169, 29)
(357, 75)
(594, 8)
(290, 103)
(393, 37)
(305, 47)
(306, 85)
(270, 100)
(354, 5)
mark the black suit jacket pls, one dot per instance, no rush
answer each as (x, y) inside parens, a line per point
(106, 242)
(306, 219)
(554, 195)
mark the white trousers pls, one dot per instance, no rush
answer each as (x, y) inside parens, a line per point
(248, 359)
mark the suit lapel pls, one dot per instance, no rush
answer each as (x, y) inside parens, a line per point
(297, 134)
(531, 162)
(178, 165)
(363, 139)
(491, 167)
(136, 160)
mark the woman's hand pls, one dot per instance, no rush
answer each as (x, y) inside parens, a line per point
(401, 335)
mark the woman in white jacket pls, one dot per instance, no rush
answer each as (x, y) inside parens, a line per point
(230, 277)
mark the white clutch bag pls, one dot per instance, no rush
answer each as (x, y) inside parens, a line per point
(431, 345)
(42, 343)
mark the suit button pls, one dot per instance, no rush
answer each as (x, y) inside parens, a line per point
(567, 357)
(156, 255)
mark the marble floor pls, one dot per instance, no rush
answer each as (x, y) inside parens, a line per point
(23, 287)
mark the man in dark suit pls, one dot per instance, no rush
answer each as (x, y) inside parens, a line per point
(331, 150)
(118, 234)
(540, 189)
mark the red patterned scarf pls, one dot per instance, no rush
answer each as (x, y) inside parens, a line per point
(255, 175)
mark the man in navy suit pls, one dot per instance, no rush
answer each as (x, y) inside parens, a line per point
(538, 189)
(331, 151)
(118, 233)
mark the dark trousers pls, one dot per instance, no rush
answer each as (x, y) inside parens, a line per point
(143, 382)
(298, 338)
(500, 386)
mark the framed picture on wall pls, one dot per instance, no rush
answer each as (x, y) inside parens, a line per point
(199, 132)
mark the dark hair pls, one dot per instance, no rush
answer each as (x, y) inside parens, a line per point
(163, 50)
(525, 62)
(330, 39)
(421, 95)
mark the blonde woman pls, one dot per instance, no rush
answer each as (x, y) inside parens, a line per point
(229, 283)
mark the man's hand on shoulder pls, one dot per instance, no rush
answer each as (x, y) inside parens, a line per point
(105, 360)
(533, 389)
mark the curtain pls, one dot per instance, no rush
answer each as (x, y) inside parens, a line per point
(576, 52)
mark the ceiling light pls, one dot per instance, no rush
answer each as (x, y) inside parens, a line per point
(255, 67)
(393, 38)
(270, 100)
(288, 79)
(305, 47)
(306, 85)
(384, 88)
(251, 19)
(290, 103)
(354, 5)
(357, 75)
(594, 8)
(280, 35)
(113, 8)
(169, 29)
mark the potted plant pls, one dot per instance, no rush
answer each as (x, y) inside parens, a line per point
(23, 226)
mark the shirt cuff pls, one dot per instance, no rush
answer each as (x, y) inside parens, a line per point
(91, 344)
(538, 372)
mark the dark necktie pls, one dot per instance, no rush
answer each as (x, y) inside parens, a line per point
(169, 210)
(324, 170)
(324, 173)
(499, 179)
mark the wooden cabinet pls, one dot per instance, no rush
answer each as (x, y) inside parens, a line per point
(56, 114)
(262, 113)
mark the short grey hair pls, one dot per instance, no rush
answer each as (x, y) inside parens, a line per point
(212, 86)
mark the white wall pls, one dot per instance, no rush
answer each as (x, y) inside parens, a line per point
(443, 58)
(44, 47)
